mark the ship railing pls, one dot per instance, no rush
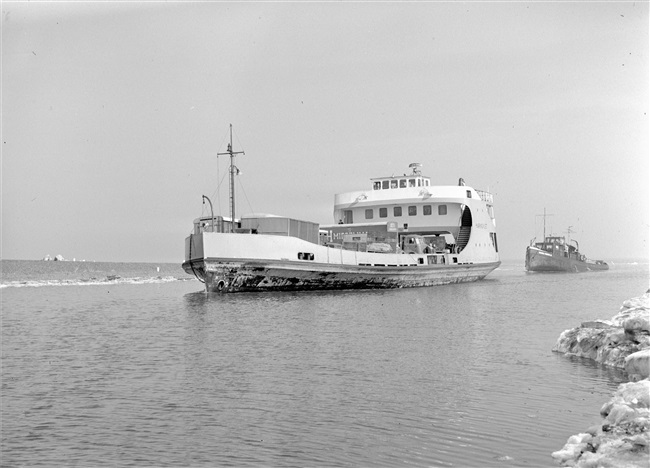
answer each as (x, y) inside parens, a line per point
(216, 224)
(486, 196)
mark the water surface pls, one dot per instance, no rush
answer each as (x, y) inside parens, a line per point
(125, 372)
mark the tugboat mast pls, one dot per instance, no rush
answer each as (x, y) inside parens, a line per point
(233, 170)
(569, 232)
(544, 216)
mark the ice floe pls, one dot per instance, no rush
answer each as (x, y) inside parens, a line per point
(623, 437)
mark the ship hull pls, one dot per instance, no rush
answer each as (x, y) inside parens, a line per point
(221, 275)
(229, 263)
(541, 261)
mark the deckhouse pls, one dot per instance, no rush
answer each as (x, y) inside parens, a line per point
(411, 204)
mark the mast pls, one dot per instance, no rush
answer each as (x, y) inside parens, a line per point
(569, 231)
(233, 170)
(544, 216)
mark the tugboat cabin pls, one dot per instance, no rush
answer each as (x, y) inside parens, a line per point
(557, 246)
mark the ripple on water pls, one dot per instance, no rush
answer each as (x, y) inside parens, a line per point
(161, 374)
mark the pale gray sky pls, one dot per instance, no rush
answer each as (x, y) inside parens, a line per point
(113, 113)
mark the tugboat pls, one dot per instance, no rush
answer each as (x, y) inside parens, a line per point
(555, 253)
(401, 231)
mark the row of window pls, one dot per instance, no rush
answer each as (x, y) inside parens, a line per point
(411, 210)
(401, 183)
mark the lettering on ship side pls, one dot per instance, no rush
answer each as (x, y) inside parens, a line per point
(481, 225)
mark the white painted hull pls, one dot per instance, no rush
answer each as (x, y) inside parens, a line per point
(240, 263)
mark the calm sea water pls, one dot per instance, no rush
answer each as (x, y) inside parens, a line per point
(107, 364)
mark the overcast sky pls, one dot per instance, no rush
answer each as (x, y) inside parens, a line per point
(113, 115)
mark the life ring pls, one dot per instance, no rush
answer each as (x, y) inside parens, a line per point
(221, 285)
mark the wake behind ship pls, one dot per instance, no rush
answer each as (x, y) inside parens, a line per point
(401, 231)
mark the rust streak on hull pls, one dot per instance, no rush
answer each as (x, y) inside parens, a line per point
(248, 276)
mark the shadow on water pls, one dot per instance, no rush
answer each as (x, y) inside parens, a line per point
(202, 298)
(592, 370)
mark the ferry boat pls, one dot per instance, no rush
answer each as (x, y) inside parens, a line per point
(401, 231)
(556, 254)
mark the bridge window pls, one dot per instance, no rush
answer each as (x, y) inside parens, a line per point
(369, 214)
(393, 183)
(426, 210)
(376, 185)
(469, 193)
(413, 210)
(442, 210)
(383, 212)
(411, 182)
(402, 183)
(384, 184)
(397, 211)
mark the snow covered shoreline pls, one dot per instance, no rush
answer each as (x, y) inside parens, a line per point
(623, 437)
